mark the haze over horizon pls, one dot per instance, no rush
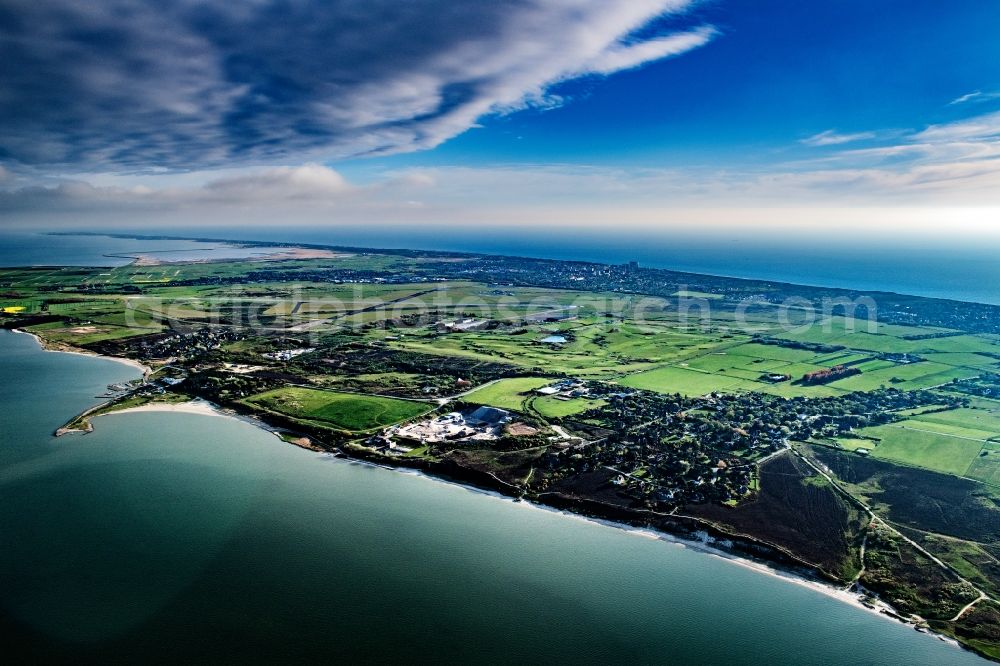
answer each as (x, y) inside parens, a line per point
(655, 116)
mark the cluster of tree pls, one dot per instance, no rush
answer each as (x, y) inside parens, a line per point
(828, 375)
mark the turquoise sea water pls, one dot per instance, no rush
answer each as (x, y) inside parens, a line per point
(171, 537)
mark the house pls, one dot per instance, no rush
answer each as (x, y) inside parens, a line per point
(462, 325)
(776, 378)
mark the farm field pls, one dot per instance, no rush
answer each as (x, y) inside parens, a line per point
(890, 338)
(979, 362)
(507, 393)
(738, 366)
(346, 411)
(920, 444)
(909, 376)
(985, 420)
(673, 379)
(986, 466)
(551, 407)
(749, 361)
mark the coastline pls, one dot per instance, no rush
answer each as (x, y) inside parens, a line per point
(705, 545)
(66, 349)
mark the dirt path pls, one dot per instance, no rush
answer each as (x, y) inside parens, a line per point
(972, 603)
(861, 557)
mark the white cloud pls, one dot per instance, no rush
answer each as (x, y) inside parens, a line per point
(957, 161)
(977, 96)
(833, 138)
(628, 56)
(129, 85)
(978, 128)
(309, 182)
(308, 185)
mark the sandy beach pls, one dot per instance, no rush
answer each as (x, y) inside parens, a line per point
(202, 407)
(197, 406)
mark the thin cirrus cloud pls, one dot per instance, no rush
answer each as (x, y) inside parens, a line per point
(955, 142)
(956, 161)
(983, 128)
(833, 138)
(977, 96)
(132, 85)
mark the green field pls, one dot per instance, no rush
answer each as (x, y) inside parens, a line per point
(507, 393)
(982, 420)
(345, 411)
(890, 338)
(554, 408)
(672, 379)
(986, 466)
(904, 376)
(911, 442)
(517, 394)
(594, 348)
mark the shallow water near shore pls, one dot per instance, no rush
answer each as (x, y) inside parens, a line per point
(175, 535)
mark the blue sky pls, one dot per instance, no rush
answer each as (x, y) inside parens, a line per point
(779, 71)
(648, 112)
